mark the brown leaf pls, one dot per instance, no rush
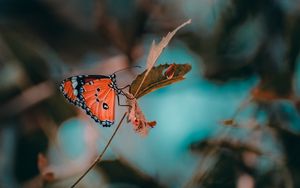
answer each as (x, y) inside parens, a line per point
(262, 94)
(137, 117)
(158, 78)
(47, 174)
(42, 162)
(152, 79)
(229, 122)
(156, 50)
(151, 123)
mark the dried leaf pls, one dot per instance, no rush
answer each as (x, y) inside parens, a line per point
(158, 78)
(267, 95)
(151, 123)
(156, 50)
(229, 122)
(137, 118)
(47, 174)
(42, 162)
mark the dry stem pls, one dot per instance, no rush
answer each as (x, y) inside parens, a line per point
(98, 159)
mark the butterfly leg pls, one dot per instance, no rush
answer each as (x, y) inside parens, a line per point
(125, 87)
(130, 98)
(119, 102)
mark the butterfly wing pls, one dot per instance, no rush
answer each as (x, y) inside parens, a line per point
(94, 94)
(99, 101)
(70, 88)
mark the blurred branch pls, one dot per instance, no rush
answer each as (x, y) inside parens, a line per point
(229, 144)
(27, 99)
(98, 159)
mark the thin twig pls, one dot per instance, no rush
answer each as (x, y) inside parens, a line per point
(98, 159)
(242, 106)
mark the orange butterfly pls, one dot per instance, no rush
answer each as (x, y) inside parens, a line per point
(95, 94)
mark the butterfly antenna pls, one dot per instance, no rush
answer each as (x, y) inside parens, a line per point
(136, 66)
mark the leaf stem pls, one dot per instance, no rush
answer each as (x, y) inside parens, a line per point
(98, 159)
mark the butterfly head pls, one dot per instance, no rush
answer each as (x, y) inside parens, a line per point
(114, 84)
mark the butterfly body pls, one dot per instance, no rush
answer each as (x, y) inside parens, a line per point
(95, 94)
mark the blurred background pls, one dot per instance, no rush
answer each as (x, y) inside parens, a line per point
(234, 121)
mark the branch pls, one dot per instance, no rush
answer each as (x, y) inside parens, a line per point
(98, 159)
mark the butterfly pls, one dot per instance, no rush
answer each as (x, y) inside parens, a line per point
(95, 94)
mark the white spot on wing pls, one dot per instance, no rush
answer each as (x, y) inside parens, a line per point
(74, 83)
(75, 92)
